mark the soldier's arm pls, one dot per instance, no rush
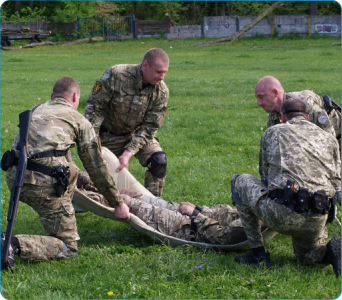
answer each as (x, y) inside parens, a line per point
(98, 101)
(337, 179)
(317, 113)
(91, 157)
(153, 120)
(263, 163)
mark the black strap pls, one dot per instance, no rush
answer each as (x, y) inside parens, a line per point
(50, 153)
(193, 227)
(33, 166)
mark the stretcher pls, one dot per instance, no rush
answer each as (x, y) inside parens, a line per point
(124, 179)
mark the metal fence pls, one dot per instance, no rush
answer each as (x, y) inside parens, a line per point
(116, 29)
(120, 28)
(90, 27)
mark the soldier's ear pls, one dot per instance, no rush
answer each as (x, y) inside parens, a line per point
(51, 96)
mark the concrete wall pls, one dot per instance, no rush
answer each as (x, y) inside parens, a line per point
(184, 32)
(216, 27)
(330, 25)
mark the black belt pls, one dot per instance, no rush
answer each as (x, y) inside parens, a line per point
(33, 166)
(293, 202)
(50, 153)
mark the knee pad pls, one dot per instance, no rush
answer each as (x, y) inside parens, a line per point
(158, 164)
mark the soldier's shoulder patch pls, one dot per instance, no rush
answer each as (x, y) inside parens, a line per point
(97, 87)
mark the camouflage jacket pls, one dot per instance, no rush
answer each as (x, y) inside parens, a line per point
(122, 105)
(57, 125)
(300, 151)
(215, 225)
(317, 113)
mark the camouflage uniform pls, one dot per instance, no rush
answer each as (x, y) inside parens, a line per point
(219, 224)
(126, 114)
(57, 125)
(316, 107)
(300, 151)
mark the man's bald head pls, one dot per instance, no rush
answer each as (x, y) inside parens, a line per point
(269, 93)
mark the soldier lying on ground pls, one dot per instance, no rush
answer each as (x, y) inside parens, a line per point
(219, 224)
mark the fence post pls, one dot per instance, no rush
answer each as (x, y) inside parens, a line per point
(107, 30)
(309, 25)
(132, 26)
(272, 25)
(78, 27)
(237, 24)
(202, 27)
(136, 26)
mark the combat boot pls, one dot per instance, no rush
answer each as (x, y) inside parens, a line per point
(333, 254)
(66, 253)
(12, 250)
(251, 259)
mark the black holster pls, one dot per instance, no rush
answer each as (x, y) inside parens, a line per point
(62, 175)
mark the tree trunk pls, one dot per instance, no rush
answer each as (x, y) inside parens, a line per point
(31, 7)
(17, 6)
(313, 8)
(234, 37)
(223, 10)
(41, 4)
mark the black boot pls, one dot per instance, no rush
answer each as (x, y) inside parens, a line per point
(333, 254)
(12, 250)
(251, 259)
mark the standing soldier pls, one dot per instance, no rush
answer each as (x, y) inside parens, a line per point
(126, 108)
(50, 177)
(270, 96)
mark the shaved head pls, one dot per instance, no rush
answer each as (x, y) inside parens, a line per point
(155, 54)
(269, 93)
(65, 87)
(269, 82)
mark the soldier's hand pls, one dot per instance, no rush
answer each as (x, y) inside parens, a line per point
(122, 212)
(124, 160)
(186, 208)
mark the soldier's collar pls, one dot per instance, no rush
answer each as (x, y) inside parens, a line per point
(61, 100)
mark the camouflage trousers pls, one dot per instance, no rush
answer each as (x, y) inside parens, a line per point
(308, 232)
(58, 218)
(221, 224)
(117, 143)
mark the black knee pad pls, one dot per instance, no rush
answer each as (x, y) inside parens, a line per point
(158, 164)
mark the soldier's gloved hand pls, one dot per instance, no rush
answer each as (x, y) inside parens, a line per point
(122, 212)
(124, 160)
(186, 208)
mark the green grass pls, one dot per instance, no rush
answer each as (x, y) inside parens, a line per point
(212, 131)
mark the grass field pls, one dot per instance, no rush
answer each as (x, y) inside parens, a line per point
(212, 131)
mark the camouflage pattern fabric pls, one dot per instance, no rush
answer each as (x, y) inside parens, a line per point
(58, 218)
(121, 103)
(308, 233)
(296, 150)
(173, 223)
(131, 113)
(117, 144)
(316, 107)
(56, 124)
(300, 151)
